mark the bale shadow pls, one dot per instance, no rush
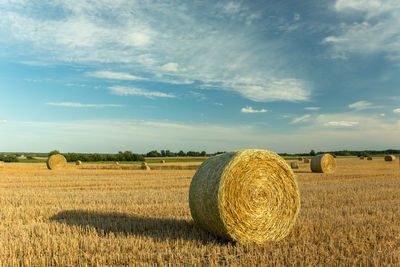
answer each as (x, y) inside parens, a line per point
(302, 171)
(123, 224)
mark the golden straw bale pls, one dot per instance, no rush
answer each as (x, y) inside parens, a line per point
(369, 158)
(145, 166)
(361, 157)
(78, 163)
(300, 159)
(116, 163)
(390, 158)
(325, 163)
(162, 161)
(306, 160)
(294, 165)
(245, 196)
(56, 161)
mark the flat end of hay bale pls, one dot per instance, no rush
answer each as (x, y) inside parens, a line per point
(56, 161)
(245, 196)
(323, 163)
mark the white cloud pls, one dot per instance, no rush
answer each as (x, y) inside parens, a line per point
(114, 75)
(397, 110)
(361, 105)
(312, 108)
(174, 67)
(151, 37)
(3, 121)
(123, 91)
(377, 32)
(302, 118)
(251, 110)
(382, 114)
(341, 123)
(80, 105)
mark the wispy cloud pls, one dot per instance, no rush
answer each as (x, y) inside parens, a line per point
(312, 108)
(361, 105)
(124, 91)
(301, 119)
(397, 110)
(179, 45)
(114, 75)
(251, 110)
(341, 123)
(377, 32)
(3, 121)
(80, 105)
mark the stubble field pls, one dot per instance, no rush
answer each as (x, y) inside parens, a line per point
(80, 217)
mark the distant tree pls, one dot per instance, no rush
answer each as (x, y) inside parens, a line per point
(312, 152)
(203, 153)
(181, 153)
(54, 152)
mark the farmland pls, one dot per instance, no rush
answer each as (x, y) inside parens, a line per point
(115, 216)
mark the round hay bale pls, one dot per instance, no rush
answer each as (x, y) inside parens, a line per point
(162, 161)
(369, 158)
(306, 160)
(294, 165)
(116, 163)
(78, 163)
(145, 166)
(56, 161)
(245, 196)
(300, 159)
(325, 163)
(361, 157)
(390, 158)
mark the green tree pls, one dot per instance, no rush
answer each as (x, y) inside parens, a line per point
(54, 152)
(312, 152)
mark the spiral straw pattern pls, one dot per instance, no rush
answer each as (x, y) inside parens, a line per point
(245, 196)
(56, 161)
(325, 163)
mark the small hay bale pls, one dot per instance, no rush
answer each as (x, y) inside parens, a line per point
(361, 157)
(294, 165)
(390, 158)
(324, 163)
(369, 158)
(116, 163)
(300, 159)
(56, 161)
(245, 196)
(306, 160)
(162, 161)
(78, 163)
(145, 166)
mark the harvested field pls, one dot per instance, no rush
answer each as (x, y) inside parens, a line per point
(78, 216)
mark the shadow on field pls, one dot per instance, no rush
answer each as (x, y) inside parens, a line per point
(120, 223)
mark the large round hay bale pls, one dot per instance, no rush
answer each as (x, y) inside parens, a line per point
(56, 161)
(306, 160)
(78, 163)
(369, 158)
(145, 166)
(245, 196)
(390, 158)
(325, 163)
(294, 165)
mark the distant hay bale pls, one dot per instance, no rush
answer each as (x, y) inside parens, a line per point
(369, 158)
(324, 163)
(294, 165)
(306, 160)
(145, 166)
(245, 196)
(390, 158)
(78, 163)
(56, 161)
(300, 159)
(361, 157)
(116, 163)
(162, 161)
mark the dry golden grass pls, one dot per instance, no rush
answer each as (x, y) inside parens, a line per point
(78, 217)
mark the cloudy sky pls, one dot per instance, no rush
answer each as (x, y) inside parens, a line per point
(110, 75)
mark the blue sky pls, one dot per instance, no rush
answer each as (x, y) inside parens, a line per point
(289, 76)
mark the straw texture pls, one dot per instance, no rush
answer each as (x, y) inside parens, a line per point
(325, 163)
(2, 165)
(390, 158)
(294, 165)
(56, 161)
(245, 196)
